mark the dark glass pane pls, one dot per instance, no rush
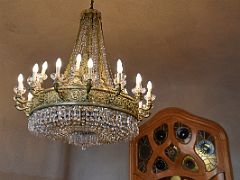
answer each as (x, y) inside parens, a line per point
(144, 153)
(160, 134)
(182, 132)
(159, 165)
(189, 163)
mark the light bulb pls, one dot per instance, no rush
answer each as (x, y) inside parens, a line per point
(20, 78)
(58, 67)
(140, 104)
(90, 63)
(119, 66)
(59, 63)
(44, 67)
(20, 82)
(35, 71)
(79, 59)
(138, 78)
(90, 66)
(149, 85)
(35, 68)
(30, 96)
(149, 92)
(138, 81)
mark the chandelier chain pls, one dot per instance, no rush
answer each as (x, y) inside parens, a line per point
(92, 2)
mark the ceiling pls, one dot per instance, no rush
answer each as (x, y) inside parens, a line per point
(189, 49)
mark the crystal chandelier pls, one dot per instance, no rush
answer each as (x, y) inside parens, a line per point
(85, 106)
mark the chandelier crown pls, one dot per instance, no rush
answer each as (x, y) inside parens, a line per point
(86, 105)
(90, 44)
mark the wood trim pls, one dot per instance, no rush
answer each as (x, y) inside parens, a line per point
(169, 116)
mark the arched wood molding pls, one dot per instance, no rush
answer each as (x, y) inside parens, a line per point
(171, 116)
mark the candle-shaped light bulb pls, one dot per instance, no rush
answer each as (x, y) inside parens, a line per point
(78, 61)
(20, 82)
(35, 68)
(138, 81)
(35, 71)
(58, 67)
(119, 66)
(90, 67)
(44, 67)
(119, 71)
(90, 63)
(30, 96)
(140, 104)
(149, 87)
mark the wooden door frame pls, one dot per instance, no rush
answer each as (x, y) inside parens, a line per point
(223, 147)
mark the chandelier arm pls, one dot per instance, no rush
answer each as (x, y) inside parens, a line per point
(22, 104)
(36, 92)
(20, 100)
(143, 115)
(21, 108)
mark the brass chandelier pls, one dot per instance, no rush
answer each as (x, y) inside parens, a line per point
(86, 105)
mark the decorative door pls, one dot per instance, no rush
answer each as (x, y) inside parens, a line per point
(176, 145)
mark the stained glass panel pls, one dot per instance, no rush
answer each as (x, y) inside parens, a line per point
(172, 152)
(160, 134)
(144, 153)
(205, 148)
(159, 165)
(182, 132)
(189, 163)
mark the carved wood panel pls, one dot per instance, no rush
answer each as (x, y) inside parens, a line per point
(176, 145)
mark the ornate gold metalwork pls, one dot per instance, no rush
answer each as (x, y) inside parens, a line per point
(77, 91)
(76, 95)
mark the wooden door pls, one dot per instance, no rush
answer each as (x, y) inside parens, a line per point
(176, 145)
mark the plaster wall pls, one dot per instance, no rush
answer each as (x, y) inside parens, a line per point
(189, 49)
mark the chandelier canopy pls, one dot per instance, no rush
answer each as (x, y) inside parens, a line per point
(86, 105)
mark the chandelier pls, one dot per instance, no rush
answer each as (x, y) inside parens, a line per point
(86, 104)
